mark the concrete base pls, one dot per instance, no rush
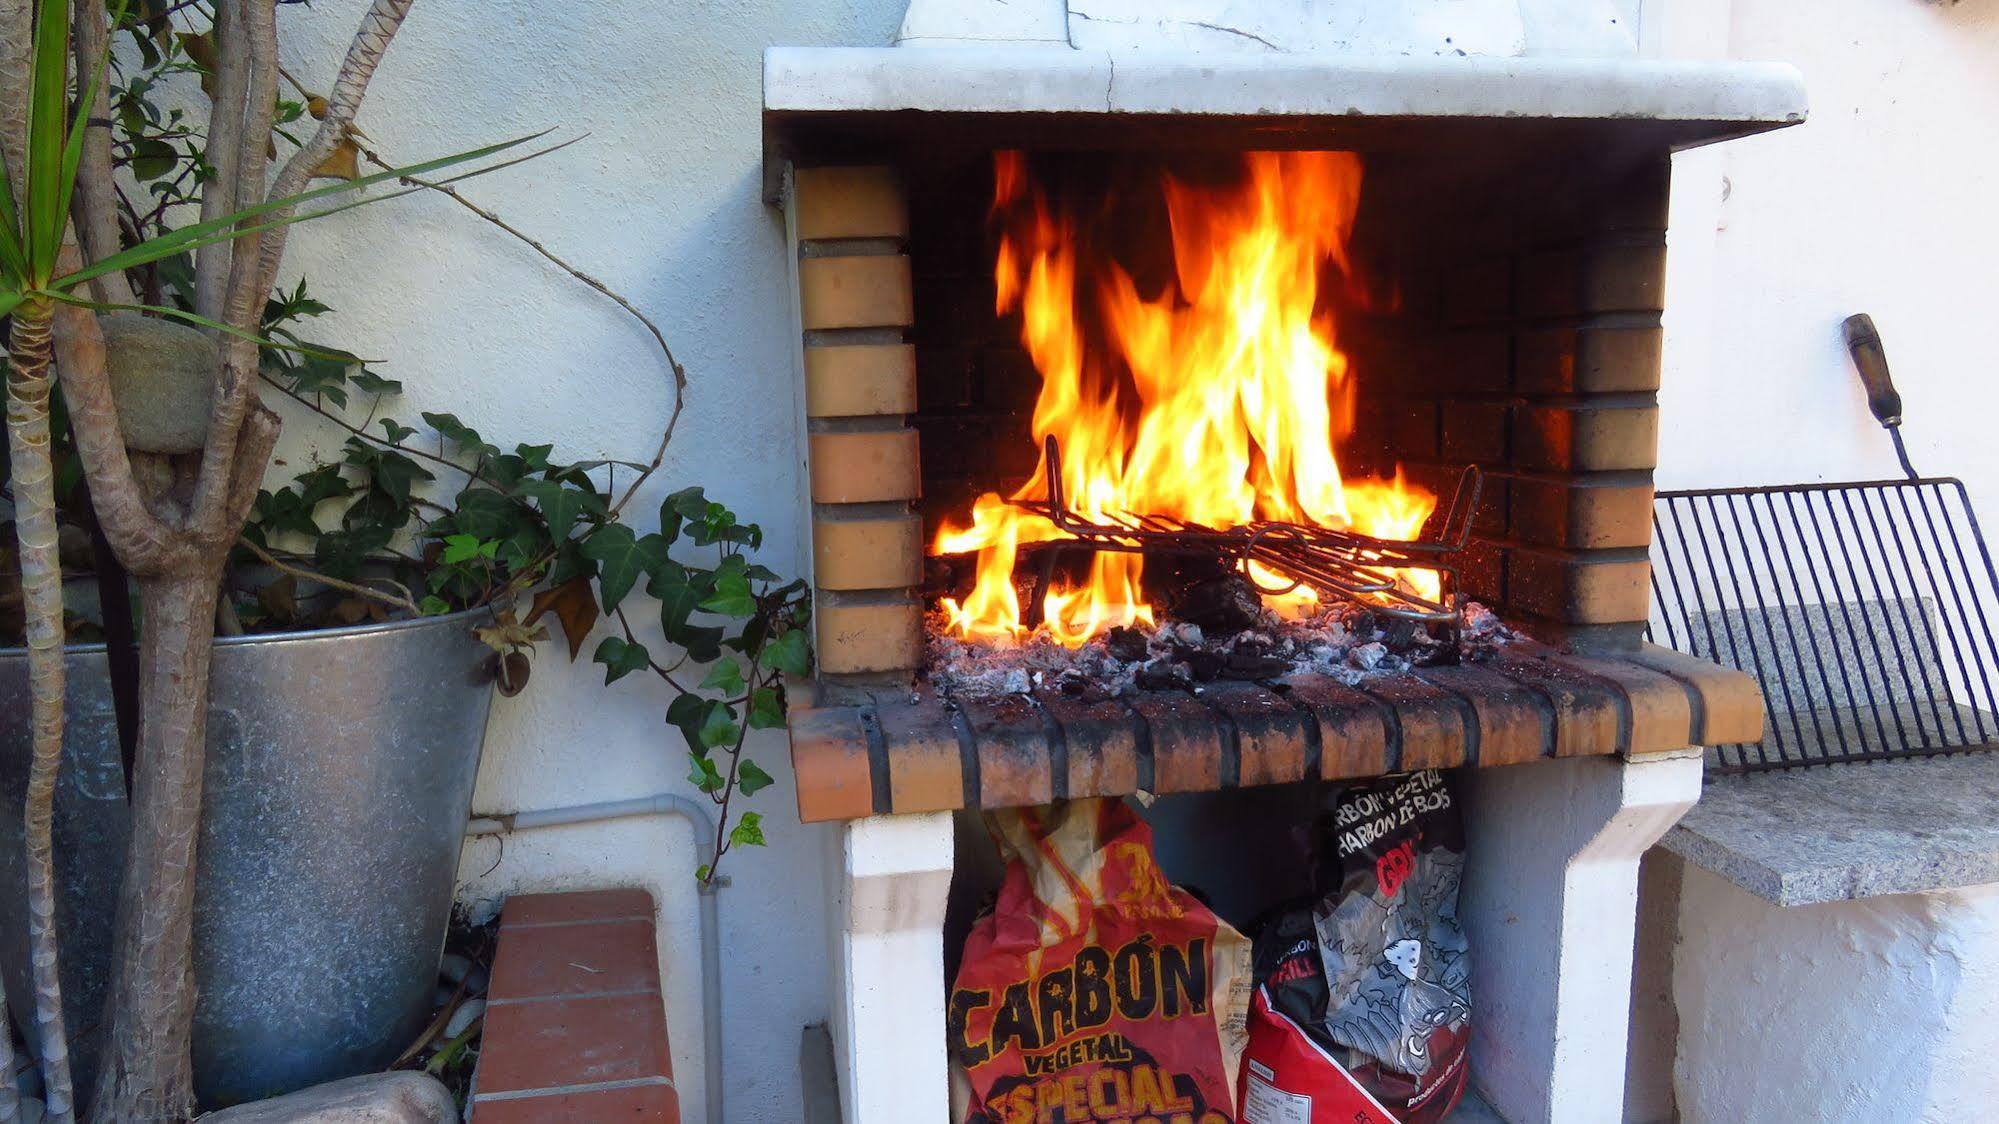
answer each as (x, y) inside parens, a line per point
(1550, 899)
(1550, 903)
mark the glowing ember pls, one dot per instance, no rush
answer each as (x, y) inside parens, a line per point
(1217, 401)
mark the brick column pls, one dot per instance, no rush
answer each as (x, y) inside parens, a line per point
(855, 304)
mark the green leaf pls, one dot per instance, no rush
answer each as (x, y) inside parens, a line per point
(674, 508)
(719, 728)
(229, 227)
(433, 605)
(463, 548)
(679, 591)
(372, 383)
(751, 778)
(485, 513)
(788, 653)
(620, 658)
(701, 872)
(457, 432)
(725, 676)
(561, 505)
(687, 713)
(620, 559)
(702, 774)
(748, 832)
(731, 597)
(397, 432)
(766, 709)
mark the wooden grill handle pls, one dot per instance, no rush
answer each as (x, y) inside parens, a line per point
(1871, 360)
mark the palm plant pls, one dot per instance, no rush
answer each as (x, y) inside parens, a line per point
(171, 520)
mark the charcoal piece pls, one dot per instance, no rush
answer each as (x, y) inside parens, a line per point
(1401, 636)
(1253, 666)
(1222, 606)
(1127, 644)
(1165, 675)
(1204, 665)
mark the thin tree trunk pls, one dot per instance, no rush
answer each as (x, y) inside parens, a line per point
(29, 369)
(95, 211)
(145, 1073)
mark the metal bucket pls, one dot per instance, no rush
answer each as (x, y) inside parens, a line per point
(339, 780)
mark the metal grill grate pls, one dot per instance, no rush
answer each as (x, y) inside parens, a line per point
(1866, 611)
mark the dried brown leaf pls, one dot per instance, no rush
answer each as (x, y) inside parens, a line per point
(574, 605)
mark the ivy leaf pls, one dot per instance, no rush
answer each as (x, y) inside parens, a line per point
(574, 605)
(398, 433)
(702, 645)
(679, 591)
(732, 596)
(465, 548)
(703, 775)
(686, 503)
(719, 729)
(751, 777)
(369, 381)
(484, 513)
(766, 709)
(687, 712)
(725, 676)
(433, 605)
(464, 436)
(789, 653)
(748, 832)
(560, 506)
(621, 558)
(620, 658)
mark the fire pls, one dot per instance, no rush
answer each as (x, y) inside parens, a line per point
(1218, 400)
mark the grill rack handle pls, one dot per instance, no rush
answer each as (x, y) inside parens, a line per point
(1863, 342)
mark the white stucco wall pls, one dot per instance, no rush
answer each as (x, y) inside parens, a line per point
(1851, 1011)
(1881, 203)
(662, 201)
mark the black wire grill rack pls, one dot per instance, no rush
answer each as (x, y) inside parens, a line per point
(1866, 610)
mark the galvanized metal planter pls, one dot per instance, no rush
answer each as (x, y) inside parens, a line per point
(339, 780)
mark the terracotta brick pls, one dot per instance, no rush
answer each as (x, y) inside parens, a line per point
(869, 466)
(1591, 438)
(577, 905)
(642, 1104)
(1477, 289)
(1460, 362)
(869, 637)
(860, 380)
(540, 961)
(1661, 714)
(1102, 738)
(1016, 768)
(1730, 704)
(926, 769)
(1186, 743)
(1353, 735)
(1431, 720)
(1586, 708)
(1270, 733)
(829, 764)
(1578, 587)
(850, 202)
(1581, 512)
(1588, 360)
(1413, 429)
(552, 1042)
(1515, 724)
(1475, 432)
(1615, 277)
(863, 291)
(874, 553)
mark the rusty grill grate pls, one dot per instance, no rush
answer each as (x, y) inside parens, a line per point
(1356, 566)
(1865, 609)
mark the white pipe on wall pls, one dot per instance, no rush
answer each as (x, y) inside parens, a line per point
(697, 817)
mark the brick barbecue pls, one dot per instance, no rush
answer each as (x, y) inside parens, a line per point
(1528, 263)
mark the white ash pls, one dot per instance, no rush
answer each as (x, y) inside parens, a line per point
(1345, 641)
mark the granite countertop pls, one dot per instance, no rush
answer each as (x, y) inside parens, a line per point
(1848, 831)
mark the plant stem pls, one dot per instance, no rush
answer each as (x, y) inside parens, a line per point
(402, 602)
(29, 359)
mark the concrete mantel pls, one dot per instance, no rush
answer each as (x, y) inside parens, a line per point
(1722, 98)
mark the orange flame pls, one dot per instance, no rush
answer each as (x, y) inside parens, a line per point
(1235, 394)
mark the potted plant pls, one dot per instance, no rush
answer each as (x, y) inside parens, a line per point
(444, 553)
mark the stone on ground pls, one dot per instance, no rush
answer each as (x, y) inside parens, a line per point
(373, 1098)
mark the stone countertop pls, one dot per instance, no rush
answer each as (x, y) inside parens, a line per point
(1849, 831)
